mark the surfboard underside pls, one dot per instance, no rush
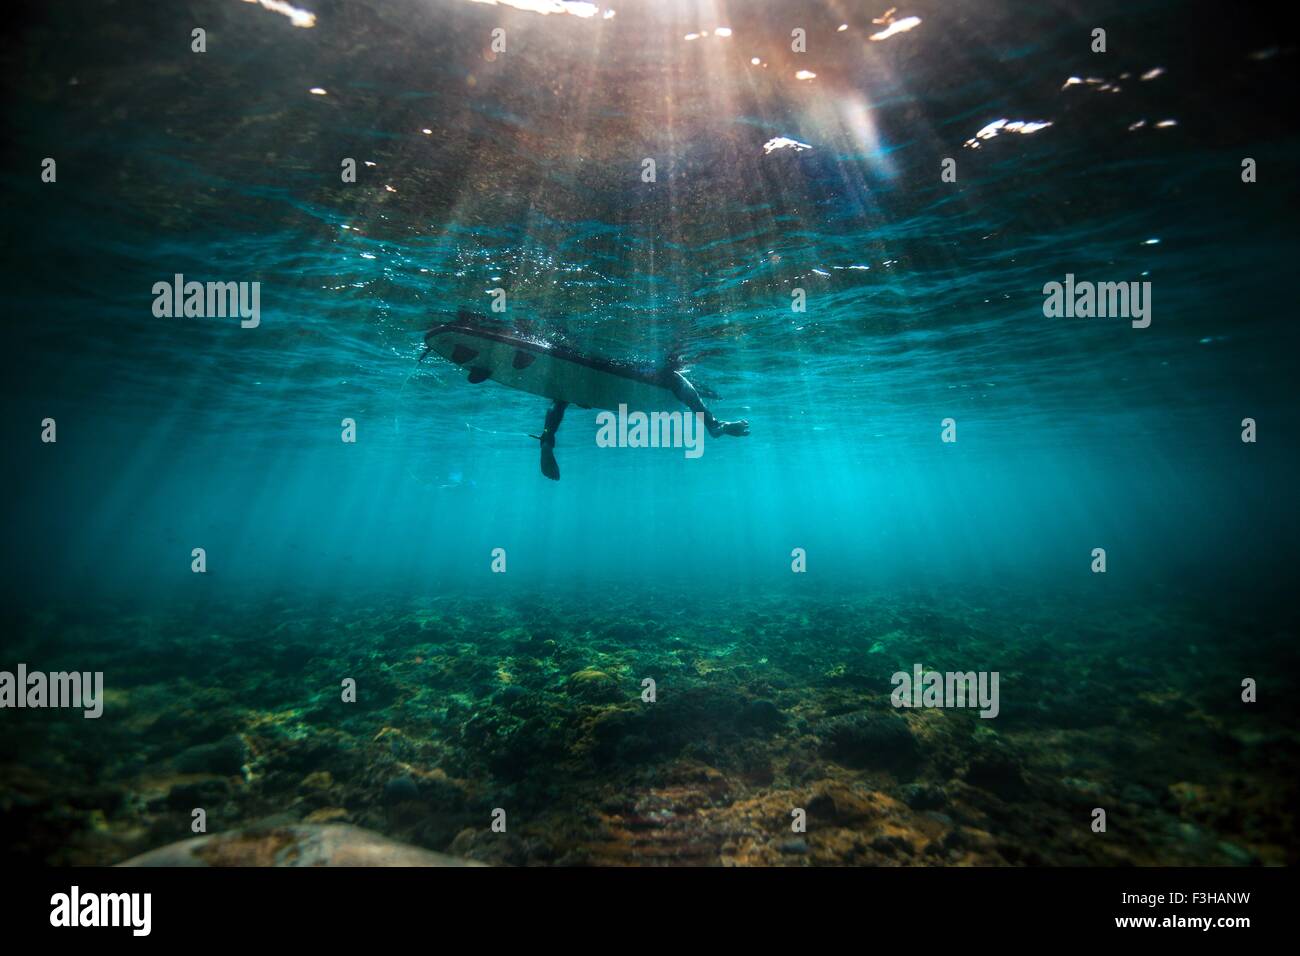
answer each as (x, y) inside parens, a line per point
(536, 368)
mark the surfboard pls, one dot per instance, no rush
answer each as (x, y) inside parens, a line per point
(551, 371)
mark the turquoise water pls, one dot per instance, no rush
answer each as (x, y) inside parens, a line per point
(523, 170)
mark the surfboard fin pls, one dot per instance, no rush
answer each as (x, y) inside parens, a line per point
(478, 374)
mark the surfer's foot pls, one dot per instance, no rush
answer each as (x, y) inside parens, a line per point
(736, 429)
(553, 418)
(550, 467)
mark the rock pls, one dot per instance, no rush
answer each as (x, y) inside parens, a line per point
(594, 686)
(501, 848)
(762, 715)
(510, 696)
(1090, 790)
(841, 806)
(332, 844)
(1134, 793)
(635, 748)
(326, 815)
(998, 773)
(966, 838)
(1238, 856)
(401, 789)
(924, 796)
(514, 749)
(204, 793)
(1074, 711)
(304, 756)
(797, 845)
(893, 844)
(225, 757)
(1188, 798)
(869, 738)
(441, 792)
(320, 780)
(797, 768)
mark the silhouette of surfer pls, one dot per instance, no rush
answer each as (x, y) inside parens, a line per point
(566, 376)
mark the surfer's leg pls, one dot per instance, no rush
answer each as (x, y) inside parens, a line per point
(554, 416)
(687, 395)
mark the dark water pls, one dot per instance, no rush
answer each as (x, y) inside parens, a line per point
(523, 170)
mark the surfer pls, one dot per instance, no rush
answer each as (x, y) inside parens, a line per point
(565, 376)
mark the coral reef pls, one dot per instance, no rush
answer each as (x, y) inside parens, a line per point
(468, 707)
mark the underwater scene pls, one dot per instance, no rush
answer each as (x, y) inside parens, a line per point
(687, 433)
